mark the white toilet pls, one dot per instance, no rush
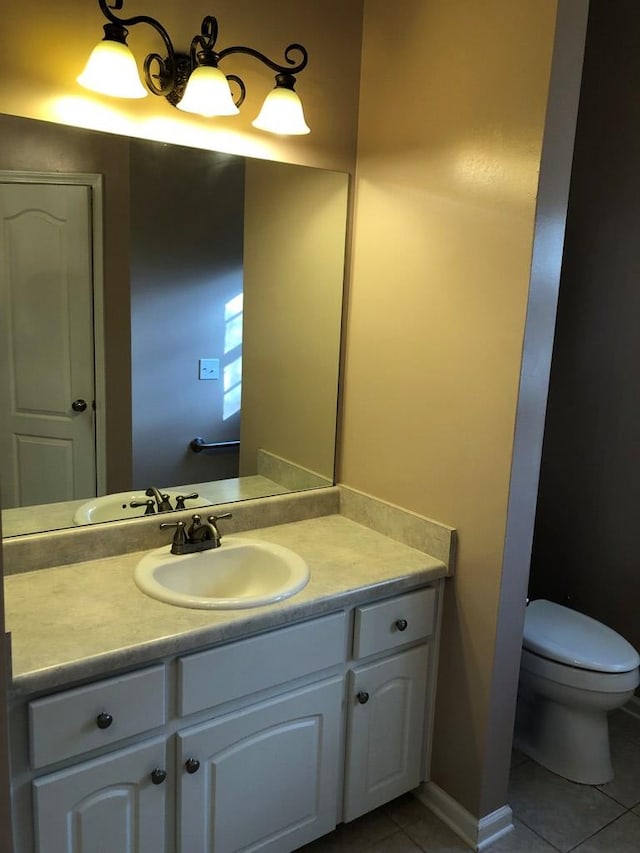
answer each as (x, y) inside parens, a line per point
(573, 671)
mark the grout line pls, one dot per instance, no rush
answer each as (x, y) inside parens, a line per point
(538, 834)
(597, 832)
(626, 737)
(613, 799)
(582, 841)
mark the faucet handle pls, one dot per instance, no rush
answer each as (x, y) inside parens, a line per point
(180, 499)
(180, 536)
(150, 506)
(213, 521)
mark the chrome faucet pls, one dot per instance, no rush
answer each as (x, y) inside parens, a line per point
(200, 536)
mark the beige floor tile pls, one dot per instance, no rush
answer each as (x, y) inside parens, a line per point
(621, 836)
(399, 842)
(357, 836)
(561, 812)
(405, 810)
(622, 722)
(625, 757)
(434, 836)
(521, 840)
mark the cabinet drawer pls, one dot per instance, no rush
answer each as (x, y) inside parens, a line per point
(66, 724)
(394, 622)
(228, 672)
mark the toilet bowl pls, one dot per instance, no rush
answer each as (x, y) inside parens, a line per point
(573, 671)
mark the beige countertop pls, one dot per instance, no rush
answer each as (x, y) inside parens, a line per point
(88, 619)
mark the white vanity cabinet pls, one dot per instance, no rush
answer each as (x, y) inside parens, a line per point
(265, 778)
(386, 721)
(387, 701)
(113, 803)
(262, 743)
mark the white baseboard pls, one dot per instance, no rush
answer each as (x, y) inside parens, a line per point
(478, 834)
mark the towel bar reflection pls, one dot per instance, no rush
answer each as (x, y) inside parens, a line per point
(199, 444)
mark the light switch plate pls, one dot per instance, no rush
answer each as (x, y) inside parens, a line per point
(209, 368)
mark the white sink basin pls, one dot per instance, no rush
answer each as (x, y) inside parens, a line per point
(240, 573)
(117, 506)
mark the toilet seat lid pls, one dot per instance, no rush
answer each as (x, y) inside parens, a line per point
(571, 638)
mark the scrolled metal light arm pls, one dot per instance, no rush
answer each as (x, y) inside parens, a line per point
(172, 71)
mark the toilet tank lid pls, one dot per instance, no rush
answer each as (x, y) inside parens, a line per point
(571, 638)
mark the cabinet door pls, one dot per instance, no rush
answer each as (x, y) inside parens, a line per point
(103, 806)
(263, 778)
(386, 705)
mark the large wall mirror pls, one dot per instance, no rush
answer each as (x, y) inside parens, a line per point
(153, 295)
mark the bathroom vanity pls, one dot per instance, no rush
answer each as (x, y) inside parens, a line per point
(166, 729)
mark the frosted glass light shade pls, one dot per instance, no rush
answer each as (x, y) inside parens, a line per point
(111, 70)
(208, 93)
(282, 113)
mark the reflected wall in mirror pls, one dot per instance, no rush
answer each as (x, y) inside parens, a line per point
(197, 265)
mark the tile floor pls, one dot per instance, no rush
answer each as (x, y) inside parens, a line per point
(551, 815)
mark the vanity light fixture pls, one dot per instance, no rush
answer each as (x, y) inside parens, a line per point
(192, 82)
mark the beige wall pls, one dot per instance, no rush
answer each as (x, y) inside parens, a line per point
(546, 265)
(452, 111)
(293, 269)
(450, 138)
(45, 46)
